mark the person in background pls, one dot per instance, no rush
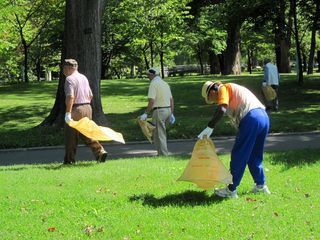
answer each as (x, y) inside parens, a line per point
(252, 121)
(78, 97)
(161, 104)
(271, 78)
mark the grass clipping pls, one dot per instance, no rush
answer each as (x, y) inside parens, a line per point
(205, 168)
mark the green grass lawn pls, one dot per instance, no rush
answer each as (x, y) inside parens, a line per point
(24, 106)
(141, 199)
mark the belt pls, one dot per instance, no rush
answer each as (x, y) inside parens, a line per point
(80, 104)
(155, 108)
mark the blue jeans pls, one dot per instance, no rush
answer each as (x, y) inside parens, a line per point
(249, 147)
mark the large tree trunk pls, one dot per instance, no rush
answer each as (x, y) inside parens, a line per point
(199, 55)
(82, 41)
(313, 37)
(282, 39)
(214, 63)
(232, 53)
(296, 35)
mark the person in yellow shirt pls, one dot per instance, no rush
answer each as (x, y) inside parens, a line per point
(249, 116)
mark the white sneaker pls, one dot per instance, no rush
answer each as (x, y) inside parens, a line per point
(226, 193)
(260, 188)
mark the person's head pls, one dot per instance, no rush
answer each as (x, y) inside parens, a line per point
(69, 66)
(152, 73)
(210, 91)
(266, 60)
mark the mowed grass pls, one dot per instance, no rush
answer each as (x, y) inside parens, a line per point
(141, 199)
(24, 106)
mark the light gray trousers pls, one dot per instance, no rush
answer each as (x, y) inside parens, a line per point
(159, 118)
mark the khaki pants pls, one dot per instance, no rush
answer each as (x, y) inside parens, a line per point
(72, 135)
(159, 118)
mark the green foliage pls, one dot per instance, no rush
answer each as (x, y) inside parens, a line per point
(134, 27)
(36, 25)
(141, 199)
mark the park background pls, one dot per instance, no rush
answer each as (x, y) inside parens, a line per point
(191, 42)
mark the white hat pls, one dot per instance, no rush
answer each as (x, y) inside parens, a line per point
(154, 71)
(205, 91)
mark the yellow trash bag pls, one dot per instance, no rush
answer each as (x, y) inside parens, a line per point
(147, 129)
(91, 130)
(269, 93)
(205, 168)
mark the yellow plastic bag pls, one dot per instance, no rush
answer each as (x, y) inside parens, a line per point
(91, 130)
(269, 93)
(205, 168)
(147, 129)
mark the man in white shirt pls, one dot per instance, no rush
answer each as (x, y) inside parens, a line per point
(271, 78)
(161, 104)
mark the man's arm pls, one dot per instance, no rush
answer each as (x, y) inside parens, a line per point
(150, 105)
(172, 104)
(218, 114)
(69, 103)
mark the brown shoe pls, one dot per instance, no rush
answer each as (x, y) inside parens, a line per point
(102, 156)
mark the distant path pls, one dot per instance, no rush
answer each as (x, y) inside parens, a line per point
(275, 142)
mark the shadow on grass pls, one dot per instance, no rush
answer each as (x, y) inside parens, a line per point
(187, 198)
(295, 158)
(50, 167)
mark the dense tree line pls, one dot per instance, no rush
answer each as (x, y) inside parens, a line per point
(122, 38)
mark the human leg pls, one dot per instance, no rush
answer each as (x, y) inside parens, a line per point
(96, 148)
(159, 118)
(242, 148)
(71, 142)
(256, 157)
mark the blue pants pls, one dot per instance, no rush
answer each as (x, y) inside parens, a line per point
(249, 147)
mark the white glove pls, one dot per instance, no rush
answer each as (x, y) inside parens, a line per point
(172, 119)
(264, 84)
(206, 132)
(143, 117)
(68, 117)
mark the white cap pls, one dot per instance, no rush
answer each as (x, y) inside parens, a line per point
(154, 71)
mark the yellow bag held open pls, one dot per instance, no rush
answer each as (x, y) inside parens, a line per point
(205, 168)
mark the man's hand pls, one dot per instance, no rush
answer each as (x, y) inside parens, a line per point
(68, 117)
(172, 119)
(206, 132)
(143, 117)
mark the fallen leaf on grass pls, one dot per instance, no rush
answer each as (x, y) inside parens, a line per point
(51, 229)
(307, 195)
(89, 230)
(251, 199)
(276, 214)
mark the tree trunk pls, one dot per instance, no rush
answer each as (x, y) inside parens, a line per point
(214, 63)
(249, 53)
(199, 53)
(304, 59)
(313, 37)
(25, 61)
(318, 60)
(232, 53)
(161, 63)
(296, 35)
(282, 39)
(151, 53)
(82, 41)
